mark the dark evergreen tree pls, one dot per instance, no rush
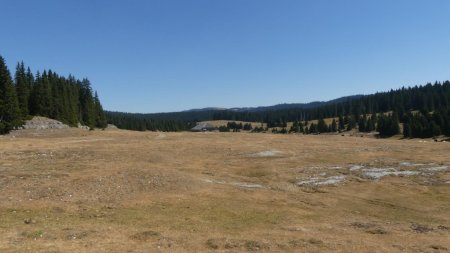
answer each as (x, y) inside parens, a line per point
(224, 129)
(351, 123)
(333, 126)
(9, 108)
(100, 118)
(362, 124)
(87, 105)
(41, 97)
(388, 125)
(313, 129)
(341, 123)
(322, 127)
(23, 87)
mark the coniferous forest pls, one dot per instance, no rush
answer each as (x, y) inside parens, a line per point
(47, 94)
(142, 122)
(423, 111)
(416, 112)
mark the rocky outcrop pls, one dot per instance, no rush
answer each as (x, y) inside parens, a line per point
(38, 122)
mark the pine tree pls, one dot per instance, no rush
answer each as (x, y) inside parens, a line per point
(9, 107)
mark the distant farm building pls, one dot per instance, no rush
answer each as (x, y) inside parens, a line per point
(203, 127)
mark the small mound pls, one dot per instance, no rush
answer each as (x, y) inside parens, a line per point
(111, 126)
(38, 122)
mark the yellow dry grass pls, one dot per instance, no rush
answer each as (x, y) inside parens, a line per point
(121, 191)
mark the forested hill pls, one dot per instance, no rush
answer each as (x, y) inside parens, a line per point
(424, 109)
(48, 94)
(284, 106)
(177, 120)
(277, 106)
(426, 98)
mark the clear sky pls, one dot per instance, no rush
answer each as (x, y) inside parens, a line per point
(171, 55)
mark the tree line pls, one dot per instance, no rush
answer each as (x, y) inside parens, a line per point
(429, 97)
(67, 99)
(141, 122)
(423, 110)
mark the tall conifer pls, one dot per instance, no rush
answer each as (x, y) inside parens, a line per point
(9, 107)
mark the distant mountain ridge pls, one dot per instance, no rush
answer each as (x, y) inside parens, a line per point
(309, 105)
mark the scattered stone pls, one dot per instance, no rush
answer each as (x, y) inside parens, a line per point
(356, 167)
(29, 221)
(212, 181)
(267, 153)
(377, 173)
(254, 245)
(334, 180)
(247, 185)
(437, 169)
(165, 242)
(82, 126)
(409, 164)
(74, 235)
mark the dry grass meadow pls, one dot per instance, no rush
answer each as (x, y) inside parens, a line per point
(120, 191)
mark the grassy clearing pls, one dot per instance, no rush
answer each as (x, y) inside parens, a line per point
(140, 192)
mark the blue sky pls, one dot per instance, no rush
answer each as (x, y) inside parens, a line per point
(171, 55)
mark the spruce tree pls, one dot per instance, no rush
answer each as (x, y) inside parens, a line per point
(351, 123)
(388, 125)
(363, 124)
(41, 97)
(100, 118)
(322, 126)
(341, 123)
(22, 89)
(87, 105)
(333, 126)
(9, 107)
